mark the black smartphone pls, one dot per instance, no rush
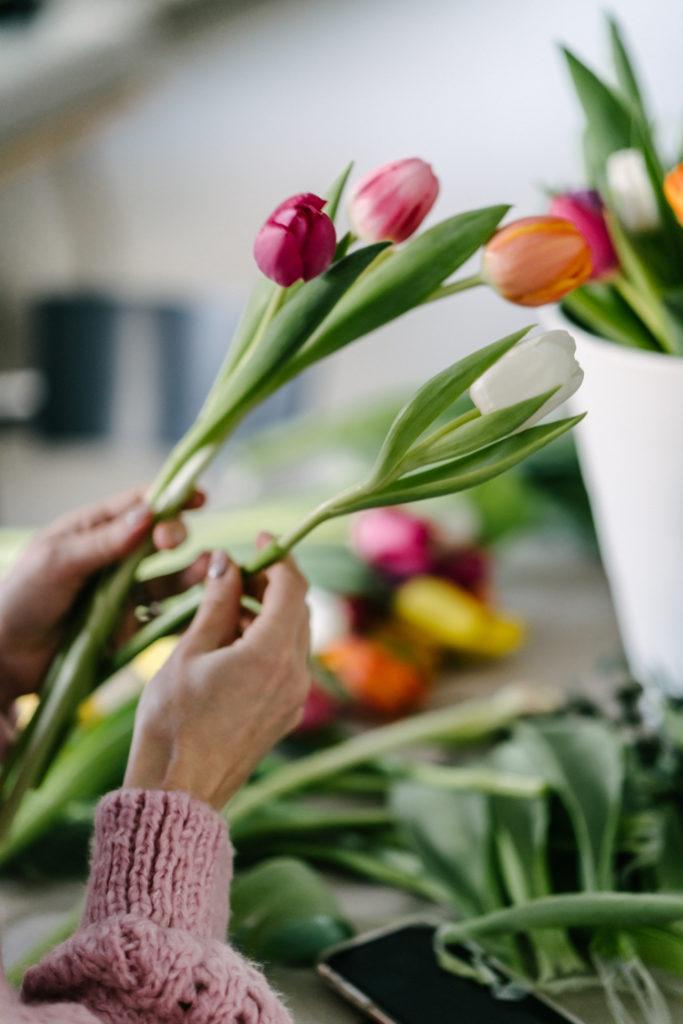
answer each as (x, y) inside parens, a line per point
(393, 977)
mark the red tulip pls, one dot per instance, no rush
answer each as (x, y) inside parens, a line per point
(320, 710)
(393, 541)
(584, 209)
(390, 203)
(297, 241)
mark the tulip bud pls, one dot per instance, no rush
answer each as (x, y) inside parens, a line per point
(535, 365)
(537, 260)
(392, 541)
(630, 191)
(584, 209)
(673, 190)
(390, 203)
(297, 242)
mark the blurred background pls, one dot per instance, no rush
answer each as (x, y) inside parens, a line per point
(143, 142)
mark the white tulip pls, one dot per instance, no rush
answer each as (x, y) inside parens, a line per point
(630, 191)
(537, 364)
(329, 618)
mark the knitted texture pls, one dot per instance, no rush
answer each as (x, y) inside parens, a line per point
(150, 949)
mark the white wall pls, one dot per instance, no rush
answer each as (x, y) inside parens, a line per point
(170, 194)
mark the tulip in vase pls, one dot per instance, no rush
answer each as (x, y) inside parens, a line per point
(628, 324)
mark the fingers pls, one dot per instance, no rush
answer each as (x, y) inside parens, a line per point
(171, 533)
(100, 512)
(284, 604)
(216, 623)
(85, 551)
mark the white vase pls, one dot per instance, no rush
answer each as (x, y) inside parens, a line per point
(631, 453)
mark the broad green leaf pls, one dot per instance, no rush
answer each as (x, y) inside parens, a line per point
(293, 325)
(283, 912)
(452, 835)
(625, 72)
(399, 284)
(584, 763)
(467, 472)
(478, 433)
(335, 192)
(434, 397)
(601, 309)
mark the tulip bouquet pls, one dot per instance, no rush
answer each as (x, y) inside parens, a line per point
(319, 293)
(631, 214)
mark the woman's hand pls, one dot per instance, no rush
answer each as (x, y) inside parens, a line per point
(42, 588)
(230, 690)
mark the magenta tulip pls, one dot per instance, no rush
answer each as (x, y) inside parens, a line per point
(297, 242)
(390, 203)
(584, 209)
(393, 541)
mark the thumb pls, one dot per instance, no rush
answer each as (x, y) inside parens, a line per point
(88, 550)
(217, 621)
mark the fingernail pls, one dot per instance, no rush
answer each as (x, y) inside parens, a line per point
(218, 565)
(136, 515)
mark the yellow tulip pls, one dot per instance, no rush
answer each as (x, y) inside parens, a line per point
(450, 617)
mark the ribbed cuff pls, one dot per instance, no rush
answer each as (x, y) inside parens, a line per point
(161, 856)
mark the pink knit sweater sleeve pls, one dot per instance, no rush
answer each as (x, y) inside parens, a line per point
(151, 947)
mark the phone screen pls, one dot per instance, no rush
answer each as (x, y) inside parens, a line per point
(398, 973)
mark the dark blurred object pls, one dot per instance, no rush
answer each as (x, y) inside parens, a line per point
(555, 473)
(19, 10)
(138, 371)
(74, 344)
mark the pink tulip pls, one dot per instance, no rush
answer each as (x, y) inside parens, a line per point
(297, 241)
(393, 541)
(584, 209)
(390, 203)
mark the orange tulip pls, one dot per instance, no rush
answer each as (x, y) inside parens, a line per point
(537, 260)
(673, 190)
(375, 677)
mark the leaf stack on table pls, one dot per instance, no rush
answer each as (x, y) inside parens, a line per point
(538, 838)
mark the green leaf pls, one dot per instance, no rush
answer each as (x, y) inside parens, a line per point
(399, 284)
(584, 763)
(434, 397)
(521, 835)
(467, 472)
(292, 326)
(625, 72)
(611, 124)
(601, 309)
(478, 433)
(282, 912)
(451, 833)
(335, 192)
(92, 761)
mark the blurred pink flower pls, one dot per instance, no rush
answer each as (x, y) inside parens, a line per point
(390, 203)
(297, 241)
(320, 710)
(393, 541)
(469, 567)
(585, 210)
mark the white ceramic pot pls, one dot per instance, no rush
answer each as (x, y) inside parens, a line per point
(631, 453)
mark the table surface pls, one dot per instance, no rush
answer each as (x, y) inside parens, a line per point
(573, 639)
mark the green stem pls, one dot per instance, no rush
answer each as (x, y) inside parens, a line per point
(276, 300)
(472, 720)
(444, 290)
(481, 780)
(614, 910)
(300, 820)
